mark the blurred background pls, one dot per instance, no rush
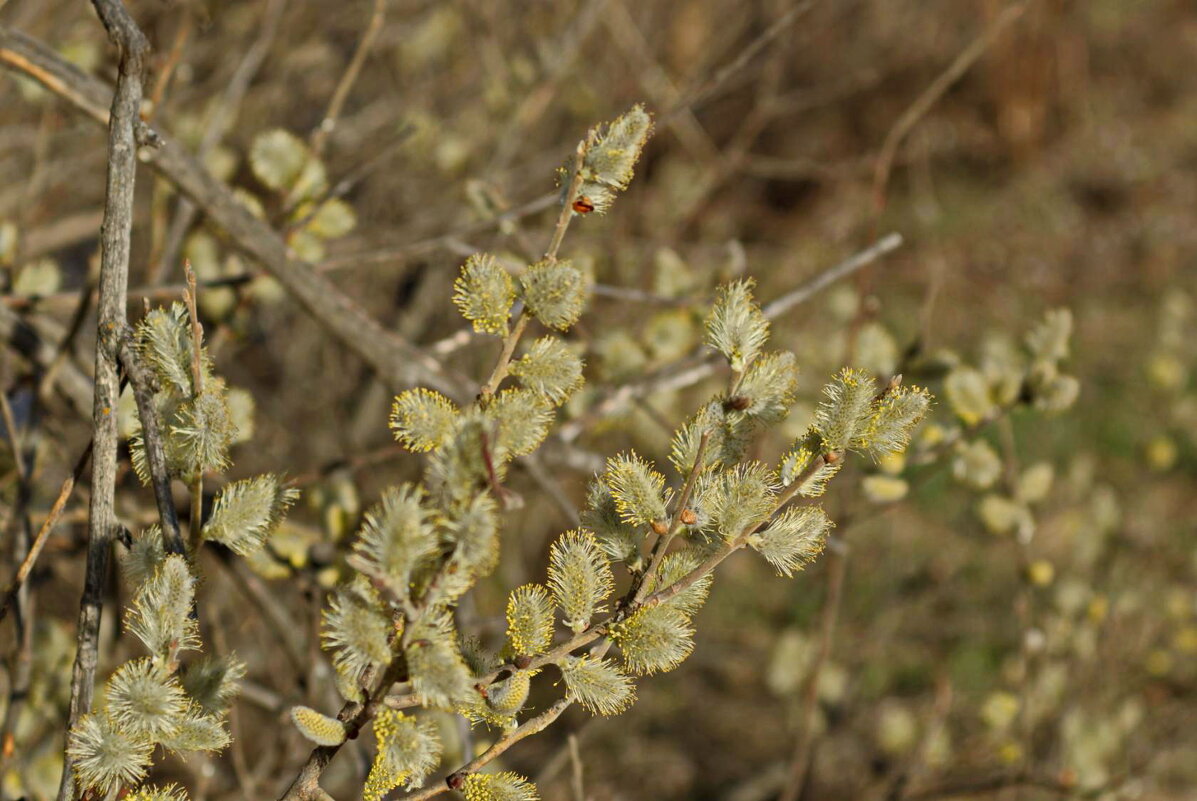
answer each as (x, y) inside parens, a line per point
(1015, 610)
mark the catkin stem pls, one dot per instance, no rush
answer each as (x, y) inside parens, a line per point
(550, 255)
(663, 543)
(197, 378)
(504, 363)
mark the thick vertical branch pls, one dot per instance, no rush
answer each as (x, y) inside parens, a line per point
(115, 236)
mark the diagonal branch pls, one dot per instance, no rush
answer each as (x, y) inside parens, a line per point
(397, 361)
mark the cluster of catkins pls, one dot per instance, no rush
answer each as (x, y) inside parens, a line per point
(158, 700)
(423, 546)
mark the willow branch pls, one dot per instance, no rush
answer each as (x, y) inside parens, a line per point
(640, 588)
(306, 786)
(524, 730)
(563, 219)
(115, 237)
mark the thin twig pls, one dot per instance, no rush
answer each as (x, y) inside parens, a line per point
(306, 785)
(398, 253)
(319, 139)
(916, 764)
(1003, 781)
(224, 114)
(14, 438)
(550, 255)
(526, 729)
(346, 184)
(43, 533)
(931, 95)
(280, 624)
(62, 359)
(575, 759)
(600, 629)
(115, 237)
(800, 294)
(167, 70)
(596, 631)
(641, 585)
(22, 538)
(34, 340)
(703, 93)
(804, 747)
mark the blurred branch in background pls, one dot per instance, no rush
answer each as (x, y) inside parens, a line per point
(396, 361)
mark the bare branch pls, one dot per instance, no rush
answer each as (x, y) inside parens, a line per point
(931, 95)
(115, 237)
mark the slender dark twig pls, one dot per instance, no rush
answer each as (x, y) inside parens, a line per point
(22, 539)
(43, 533)
(320, 136)
(143, 393)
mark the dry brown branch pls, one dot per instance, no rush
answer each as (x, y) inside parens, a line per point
(115, 237)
